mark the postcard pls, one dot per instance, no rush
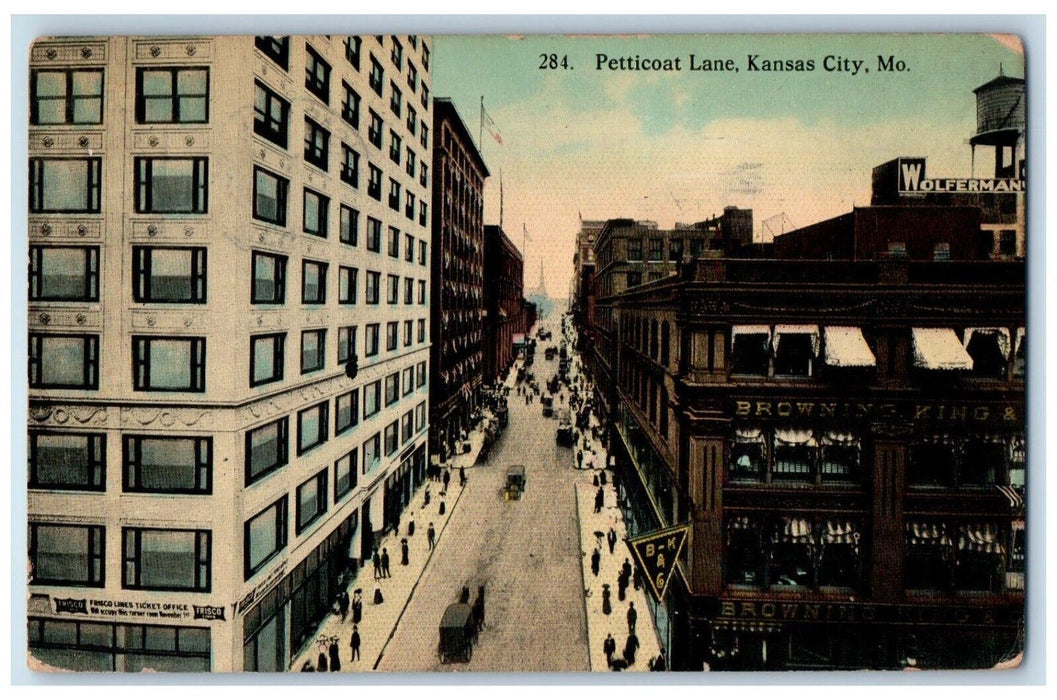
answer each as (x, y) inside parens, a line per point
(651, 353)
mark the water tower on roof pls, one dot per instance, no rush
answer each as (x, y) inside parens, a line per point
(1000, 124)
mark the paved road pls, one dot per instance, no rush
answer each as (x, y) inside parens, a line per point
(526, 553)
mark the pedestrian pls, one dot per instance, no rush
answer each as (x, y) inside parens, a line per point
(321, 662)
(609, 647)
(307, 666)
(335, 660)
(607, 607)
(442, 508)
(403, 552)
(611, 538)
(600, 499)
(431, 536)
(385, 563)
(411, 526)
(377, 561)
(595, 481)
(579, 459)
(462, 475)
(659, 664)
(425, 501)
(596, 559)
(447, 477)
(354, 642)
(378, 599)
(622, 586)
(625, 568)
(630, 647)
(343, 604)
(633, 617)
(464, 596)
(357, 608)
(636, 578)
(602, 477)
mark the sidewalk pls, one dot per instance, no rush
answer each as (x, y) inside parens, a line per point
(380, 621)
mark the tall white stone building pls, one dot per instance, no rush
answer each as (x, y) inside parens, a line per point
(221, 231)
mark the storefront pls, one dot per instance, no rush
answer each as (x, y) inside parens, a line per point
(83, 645)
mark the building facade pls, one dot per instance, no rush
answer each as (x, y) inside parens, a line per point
(229, 242)
(504, 295)
(846, 442)
(581, 293)
(458, 276)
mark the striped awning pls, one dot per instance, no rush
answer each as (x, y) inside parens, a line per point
(927, 533)
(980, 537)
(795, 531)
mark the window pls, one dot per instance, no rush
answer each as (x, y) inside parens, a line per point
(931, 463)
(64, 185)
(374, 235)
(425, 137)
(941, 252)
(154, 464)
(314, 213)
(275, 48)
(750, 351)
(352, 51)
(411, 159)
(409, 249)
(267, 449)
(748, 456)
(407, 427)
(72, 96)
(313, 345)
(423, 176)
(420, 416)
(409, 290)
(395, 144)
(390, 335)
(794, 353)
(422, 292)
(409, 205)
(370, 340)
(634, 279)
(840, 457)
(396, 99)
(172, 95)
(266, 358)
(989, 348)
(420, 374)
(311, 500)
(656, 249)
(422, 253)
(374, 182)
(172, 185)
(897, 249)
(377, 76)
(347, 277)
(374, 131)
(929, 551)
(397, 54)
(394, 195)
(423, 213)
(63, 273)
(269, 197)
(264, 536)
(67, 461)
(425, 99)
(984, 462)
(166, 560)
(271, 116)
(311, 427)
(392, 388)
(795, 452)
(346, 343)
(372, 399)
(169, 275)
(345, 473)
(348, 225)
(317, 75)
(408, 332)
(373, 282)
(412, 115)
(392, 443)
(372, 453)
(313, 282)
(67, 555)
(168, 363)
(675, 249)
(350, 166)
(421, 330)
(346, 411)
(1007, 243)
(317, 144)
(407, 380)
(425, 57)
(269, 278)
(394, 242)
(350, 106)
(63, 361)
(697, 247)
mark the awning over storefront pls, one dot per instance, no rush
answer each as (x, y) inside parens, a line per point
(811, 331)
(840, 439)
(1000, 335)
(750, 435)
(795, 531)
(924, 533)
(735, 331)
(1018, 345)
(939, 348)
(841, 532)
(980, 537)
(794, 437)
(845, 347)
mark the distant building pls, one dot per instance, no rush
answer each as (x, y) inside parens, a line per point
(582, 295)
(504, 296)
(458, 276)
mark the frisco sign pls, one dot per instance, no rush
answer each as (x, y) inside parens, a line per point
(912, 180)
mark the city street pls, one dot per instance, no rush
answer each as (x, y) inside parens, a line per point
(525, 552)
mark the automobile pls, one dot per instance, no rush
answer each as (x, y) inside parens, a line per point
(564, 434)
(515, 481)
(456, 634)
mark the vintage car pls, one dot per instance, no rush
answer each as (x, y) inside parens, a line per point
(515, 481)
(564, 434)
(456, 634)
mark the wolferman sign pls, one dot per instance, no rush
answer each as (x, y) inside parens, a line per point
(912, 180)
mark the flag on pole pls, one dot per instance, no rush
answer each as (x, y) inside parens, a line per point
(489, 124)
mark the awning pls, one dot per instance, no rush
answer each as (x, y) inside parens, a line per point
(845, 347)
(939, 348)
(735, 331)
(752, 435)
(841, 532)
(980, 538)
(794, 437)
(1018, 345)
(1001, 336)
(808, 330)
(840, 439)
(925, 533)
(795, 531)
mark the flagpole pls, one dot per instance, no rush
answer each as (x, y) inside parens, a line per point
(500, 198)
(480, 130)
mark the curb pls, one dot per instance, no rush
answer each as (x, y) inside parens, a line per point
(411, 595)
(583, 579)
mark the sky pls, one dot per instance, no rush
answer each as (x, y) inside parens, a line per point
(678, 146)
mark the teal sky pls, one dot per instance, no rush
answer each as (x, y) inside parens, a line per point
(678, 146)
